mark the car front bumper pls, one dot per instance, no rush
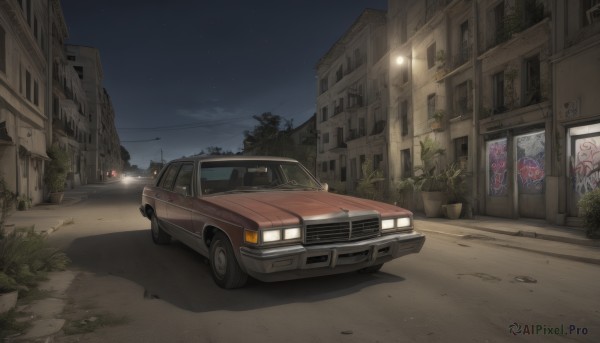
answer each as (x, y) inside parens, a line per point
(299, 261)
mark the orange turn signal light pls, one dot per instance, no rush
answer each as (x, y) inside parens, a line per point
(251, 236)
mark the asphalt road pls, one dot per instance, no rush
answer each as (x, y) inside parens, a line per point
(453, 291)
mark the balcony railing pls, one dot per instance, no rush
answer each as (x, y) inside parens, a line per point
(355, 134)
(378, 127)
(531, 14)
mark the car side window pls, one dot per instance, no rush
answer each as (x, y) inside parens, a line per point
(169, 177)
(183, 183)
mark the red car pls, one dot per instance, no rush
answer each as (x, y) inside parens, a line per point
(269, 218)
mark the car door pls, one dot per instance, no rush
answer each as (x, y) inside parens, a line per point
(180, 204)
(163, 195)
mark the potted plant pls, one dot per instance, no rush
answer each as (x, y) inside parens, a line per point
(428, 179)
(438, 118)
(7, 204)
(55, 175)
(456, 189)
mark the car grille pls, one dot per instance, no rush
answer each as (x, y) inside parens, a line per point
(341, 231)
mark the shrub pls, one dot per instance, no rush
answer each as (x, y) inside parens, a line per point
(55, 175)
(590, 204)
(25, 256)
(7, 204)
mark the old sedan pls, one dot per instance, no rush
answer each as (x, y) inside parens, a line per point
(269, 218)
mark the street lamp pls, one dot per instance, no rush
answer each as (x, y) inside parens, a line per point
(400, 60)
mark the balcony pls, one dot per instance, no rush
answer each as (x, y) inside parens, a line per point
(530, 14)
(355, 134)
(339, 146)
(378, 127)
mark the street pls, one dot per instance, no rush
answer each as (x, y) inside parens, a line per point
(453, 290)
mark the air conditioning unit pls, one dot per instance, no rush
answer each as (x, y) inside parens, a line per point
(593, 14)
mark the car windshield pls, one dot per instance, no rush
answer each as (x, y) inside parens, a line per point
(249, 176)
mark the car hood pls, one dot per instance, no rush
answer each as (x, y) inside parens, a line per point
(285, 208)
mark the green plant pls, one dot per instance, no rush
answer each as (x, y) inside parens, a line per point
(456, 183)
(439, 115)
(427, 178)
(55, 175)
(7, 284)
(590, 205)
(367, 186)
(440, 56)
(24, 203)
(25, 256)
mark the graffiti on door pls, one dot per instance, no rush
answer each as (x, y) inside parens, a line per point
(497, 168)
(585, 165)
(530, 163)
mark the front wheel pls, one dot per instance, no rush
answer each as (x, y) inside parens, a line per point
(159, 236)
(225, 270)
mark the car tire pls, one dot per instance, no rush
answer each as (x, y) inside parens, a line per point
(159, 236)
(224, 267)
(371, 269)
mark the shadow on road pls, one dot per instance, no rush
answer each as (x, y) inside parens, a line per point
(180, 276)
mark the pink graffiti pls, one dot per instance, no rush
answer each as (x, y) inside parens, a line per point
(497, 159)
(586, 168)
(531, 172)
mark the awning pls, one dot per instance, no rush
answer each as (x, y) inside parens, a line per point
(34, 142)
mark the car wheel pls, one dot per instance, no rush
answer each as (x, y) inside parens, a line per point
(159, 236)
(225, 269)
(371, 269)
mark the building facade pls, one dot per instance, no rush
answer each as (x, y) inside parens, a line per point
(352, 103)
(45, 99)
(24, 88)
(102, 146)
(507, 87)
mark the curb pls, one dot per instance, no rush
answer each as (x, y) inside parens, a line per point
(507, 245)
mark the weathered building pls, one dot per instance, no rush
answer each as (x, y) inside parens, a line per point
(24, 95)
(102, 143)
(508, 88)
(352, 103)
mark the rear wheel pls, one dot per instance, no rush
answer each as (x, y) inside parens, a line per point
(225, 269)
(371, 269)
(159, 236)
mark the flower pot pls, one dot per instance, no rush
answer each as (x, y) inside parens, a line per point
(8, 301)
(432, 203)
(56, 198)
(453, 211)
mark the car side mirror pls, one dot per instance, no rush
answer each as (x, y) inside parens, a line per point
(325, 186)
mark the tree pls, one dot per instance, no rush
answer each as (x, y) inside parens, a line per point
(267, 138)
(125, 157)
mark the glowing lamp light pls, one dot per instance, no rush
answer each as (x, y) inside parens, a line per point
(400, 60)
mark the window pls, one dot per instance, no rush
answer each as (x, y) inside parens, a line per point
(357, 58)
(430, 106)
(326, 138)
(431, 56)
(36, 92)
(332, 165)
(500, 34)
(404, 117)
(361, 160)
(533, 93)
(361, 127)
(324, 166)
(28, 85)
(406, 69)
(70, 57)
(167, 179)
(183, 183)
(498, 92)
(2, 50)
(353, 168)
(28, 12)
(377, 161)
(79, 70)
(461, 150)
(464, 42)
(339, 74)
(324, 114)
(462, 98)
(590, 12)
(406, 163)
(343, 168)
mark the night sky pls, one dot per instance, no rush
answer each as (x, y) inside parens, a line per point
(195, 72)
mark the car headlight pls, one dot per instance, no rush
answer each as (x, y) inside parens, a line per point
(276, 235)
(395, 223)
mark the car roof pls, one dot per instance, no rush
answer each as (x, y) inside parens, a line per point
(207, 158)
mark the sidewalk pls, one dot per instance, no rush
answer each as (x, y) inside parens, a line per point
(45, 314)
